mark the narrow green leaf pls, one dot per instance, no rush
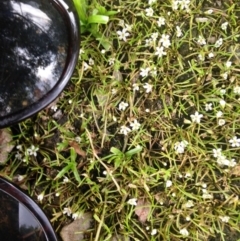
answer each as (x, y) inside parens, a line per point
(76, 174)
(64, 171)
(100, 19)
(81, 7)
(115, 151)
(73, 155)
(133, 151)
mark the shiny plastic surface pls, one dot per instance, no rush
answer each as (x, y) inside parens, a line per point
(20, 217)
(39, 45)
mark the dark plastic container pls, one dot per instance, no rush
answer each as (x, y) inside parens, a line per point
(21, 218)
(39, 48)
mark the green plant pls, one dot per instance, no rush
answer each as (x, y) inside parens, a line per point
(90, 19)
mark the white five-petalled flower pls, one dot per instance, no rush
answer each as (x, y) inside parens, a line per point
(124, 130)
(123, 105)
(235, 142)
(67, 211)
(196, 117)
(148, 87)
(135, 125)
(123, 34)
(32, 151)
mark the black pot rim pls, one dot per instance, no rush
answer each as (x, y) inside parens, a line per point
(13, 191)
(73, 29)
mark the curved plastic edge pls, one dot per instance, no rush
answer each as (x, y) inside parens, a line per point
(71, 18)
(36, 211)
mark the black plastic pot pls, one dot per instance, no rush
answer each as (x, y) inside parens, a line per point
(39, 47)
(21, 218)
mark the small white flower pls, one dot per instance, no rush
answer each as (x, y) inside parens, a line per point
(57, 194)
(154, 71)
(78, 139)
(18, 156)
(189, 204)
(184, 4)
(111, 61)
(129, 27)
(124, 130)
(32, 151)
(20, 178)
(149, 12)
(222, 161)
(217, 152)
(160, 52)
(40, 197)
(122, 35)
(135, 87)
(187, 175)
(19, 147)
(196, 117)
(114, 91)
(236, 90)
(175, 4)
(85, 66)
(201, 40)
(222, 103)
(132, 201)
(81, 51)
(235, 142)
(210, 11)
(161, 21)
(225, 75)
(76, 215)
(222, 91)
(147, 110)
(103, 51)
(179, 32)
(168, 183)
(218, 43)
(91, 62)
(221, 122)
(135, 125)
(153, 232)
(148, 87)
(224, 26)
(65, 180)
(219, 114)
(151, 1)
(188, 218)
(206, 194)
(179, 147)
(184, 232)
(228, 64)
(154, 36)
(224, 219)
(54, 108)
(121, 23)
(144, 72)
(165, 40)
(123, 105)
(67, 211)
(210, 55)
(149, 42)
(208, 106)
(232, 163)
(105, 173)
